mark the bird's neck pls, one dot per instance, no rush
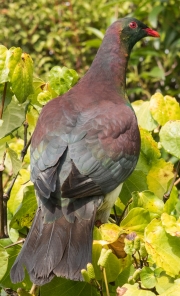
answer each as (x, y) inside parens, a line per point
(108, 69)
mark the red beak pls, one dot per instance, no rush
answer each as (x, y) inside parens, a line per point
(151, 32)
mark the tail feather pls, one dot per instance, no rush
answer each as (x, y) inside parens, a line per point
(25, 256)
(58, 248)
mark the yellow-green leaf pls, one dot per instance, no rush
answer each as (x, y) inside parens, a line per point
(170, 137)
(21, 74)
(136, 221)
(145, 119)
(170, 224)
(16, 163)
(4, 58)
(149, 146)
(3, 261)
(163, 248)
(159, 176)
(164, 109)
(135, 291)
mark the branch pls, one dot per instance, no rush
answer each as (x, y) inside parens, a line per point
(3, 100)
(3, 214)
(24, 151)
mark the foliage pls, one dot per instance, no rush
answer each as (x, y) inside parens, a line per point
(68, 33)
(140, 254)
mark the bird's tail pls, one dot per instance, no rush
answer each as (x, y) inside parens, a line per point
(60, 248)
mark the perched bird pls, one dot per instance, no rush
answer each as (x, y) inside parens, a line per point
(86, 143)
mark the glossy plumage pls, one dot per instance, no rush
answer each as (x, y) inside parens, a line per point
(86, 143)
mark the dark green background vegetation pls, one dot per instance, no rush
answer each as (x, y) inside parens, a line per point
(68, 33)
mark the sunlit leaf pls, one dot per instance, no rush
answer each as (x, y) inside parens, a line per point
(170, 204)
(21, 74)
(17, 190)
(170, 224)
(135, 291)
(3, 261)
(135, 221)
(164, 109)
(16, 163)
(149, 146)
(147, 200)
(170, 137)
(163, 248)
(145, 119)
(25, 214)
(4, 58)
(13, 117)
(159, 176)
(62, 79)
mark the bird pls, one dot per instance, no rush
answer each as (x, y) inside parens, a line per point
(85, 145)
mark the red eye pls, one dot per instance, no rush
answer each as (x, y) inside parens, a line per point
(133, 25)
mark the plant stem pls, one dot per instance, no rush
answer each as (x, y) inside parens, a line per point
(106, 283)
(3, 100)
(3, 212)
(167, 194)
(16, 243)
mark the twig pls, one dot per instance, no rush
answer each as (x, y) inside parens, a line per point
(3, 100)
(146, 289)
(24, 151)
(115, 214)
(16, 243)
(122, 215)
(167, 194)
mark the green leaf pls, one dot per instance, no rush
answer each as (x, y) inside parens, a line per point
(136, 182)
(62, 79)
(12, 253)
(164, 109)
(112, 267)
(96, 32)
(159, 176)
(149, 146)
(135, 291)
(153, 15)
(163, 248)
(17, 191)
(147, 277)
(135, 221)
(145, 119)
(170, 137)
(97, 247)
(3, 261)
(157, 73)
(148, 201)
(25, 214)
(44, 97)
(16, 163)
(170, 204)
(4, 58)
(170, 224)
(67, 287)
(21, 74)
(13, 117)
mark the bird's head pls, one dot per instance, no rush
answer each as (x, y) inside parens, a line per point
(132, 30)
